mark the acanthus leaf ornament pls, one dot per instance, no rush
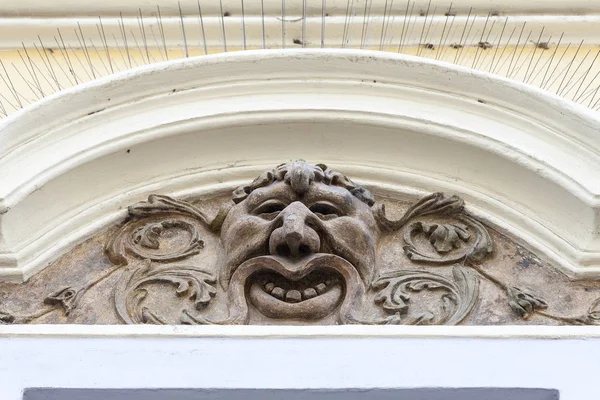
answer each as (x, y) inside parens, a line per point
(159, 217)
(453, 234)
(148, 235)
(191, 283)
(435, 203)
(153, 218)
(299, 244)
(450, 242)
(524, 303)
(66, 298)
(593, 314)
(446, 237)
(6, 318)
(141, 239)
(160, 205)
(457, 297)
(443, 237)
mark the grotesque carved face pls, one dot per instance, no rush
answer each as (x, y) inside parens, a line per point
(299, 243)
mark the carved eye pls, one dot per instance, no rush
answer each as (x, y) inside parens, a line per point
(326, 210)
(269, 209)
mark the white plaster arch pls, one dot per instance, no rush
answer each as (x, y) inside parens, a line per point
(524, 160)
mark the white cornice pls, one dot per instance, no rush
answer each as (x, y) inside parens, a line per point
(22, 22)
(524, 160)
(16, 32)
(27, 8)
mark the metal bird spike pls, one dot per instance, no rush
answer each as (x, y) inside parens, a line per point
(501, 45)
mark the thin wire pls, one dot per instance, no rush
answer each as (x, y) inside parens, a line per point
(569, 67)
(382, 35)
(201, 21)
(323, 15)
(303, 23)
(66, 54)
(162, 32)
(570, 76)
(537, 44)
(243, 25)
(143, 33)
(345, 31)
(124, 36)
(423, 28)
(283, 24)
(443, 31)
(555, 67)
(551, 59)
(223, 26)
(187, 54)
(498, 45)
(262, 14)
(105, 43)
(14, 90)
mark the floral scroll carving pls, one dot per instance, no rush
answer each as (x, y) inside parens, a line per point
(299, 245)
(453, 235)
(525, 304)
(161, 230)
(65, 298)
(294, 278)
(164, 230)
(457, 296)
(190, 282)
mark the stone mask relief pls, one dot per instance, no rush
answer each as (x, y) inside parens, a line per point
(301, 244)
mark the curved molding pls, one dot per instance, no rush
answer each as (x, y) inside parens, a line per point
(523, 159)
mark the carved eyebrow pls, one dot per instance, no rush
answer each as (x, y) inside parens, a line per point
(339, 197)
(261, 195)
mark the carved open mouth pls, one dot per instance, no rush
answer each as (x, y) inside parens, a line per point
(313, 296)
(311, 288)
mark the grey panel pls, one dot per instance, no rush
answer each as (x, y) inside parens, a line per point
(292, 394)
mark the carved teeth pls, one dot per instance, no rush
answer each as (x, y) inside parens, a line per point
(269, 287)
(309, 293)
(321, 287)
(297, 294)
(293, 296)
(278, 292)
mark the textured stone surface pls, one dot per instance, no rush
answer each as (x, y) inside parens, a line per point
(302, 244)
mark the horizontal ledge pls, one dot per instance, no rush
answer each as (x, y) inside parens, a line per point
(14, 32)
(275, 332)
(171, 7)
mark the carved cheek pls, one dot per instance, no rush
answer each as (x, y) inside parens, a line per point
(352, 240)
(248, 235)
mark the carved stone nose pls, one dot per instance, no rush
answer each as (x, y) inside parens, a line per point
(294, 238)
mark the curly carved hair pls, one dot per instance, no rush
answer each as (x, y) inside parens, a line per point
(299, 175)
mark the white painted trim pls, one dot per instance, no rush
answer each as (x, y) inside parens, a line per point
(568, 365)
(281, 331)
(27, 8)
(16, 31)
(524, 160)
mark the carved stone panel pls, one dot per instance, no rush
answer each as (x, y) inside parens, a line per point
(301, 244)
